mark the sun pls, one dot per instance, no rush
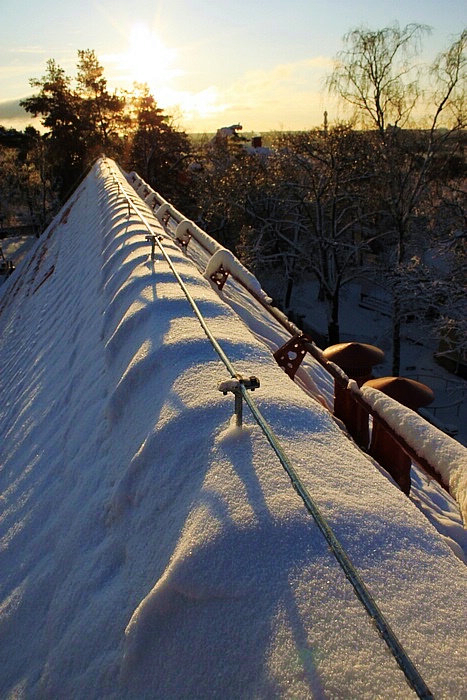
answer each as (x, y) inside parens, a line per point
(149, 60)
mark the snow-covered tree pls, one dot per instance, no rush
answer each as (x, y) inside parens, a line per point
(26, 195)
(377, 76)
(327, 217)
(235, 190)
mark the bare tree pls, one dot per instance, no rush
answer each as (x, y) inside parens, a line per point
(376, 76)
(374, 73)
(328, 175)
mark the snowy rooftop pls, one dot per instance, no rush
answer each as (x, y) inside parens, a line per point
(148, 547)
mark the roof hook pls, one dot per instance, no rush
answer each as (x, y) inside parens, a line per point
(235, 385)
(151, 238)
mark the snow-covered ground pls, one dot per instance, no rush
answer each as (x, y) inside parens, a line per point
(148, 549)
(14, 248)
(449, 408)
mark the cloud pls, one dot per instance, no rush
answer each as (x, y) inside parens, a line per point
(13, 116)
(16, 70)
(307, 74)
(197, 104)
(35, 50)
(11, 109)
(287, 96)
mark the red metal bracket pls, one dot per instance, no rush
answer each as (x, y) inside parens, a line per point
(183, 242)
(219, 277)
(290, 355)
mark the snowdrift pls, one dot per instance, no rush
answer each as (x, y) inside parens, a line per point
(449, 456)
(148, 549)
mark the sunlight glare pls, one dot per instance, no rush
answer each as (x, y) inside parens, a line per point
(149, 60)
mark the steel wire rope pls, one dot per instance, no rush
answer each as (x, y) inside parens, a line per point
(410, 671)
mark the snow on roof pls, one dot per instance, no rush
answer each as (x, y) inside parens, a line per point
(148, 548)
(432, 444)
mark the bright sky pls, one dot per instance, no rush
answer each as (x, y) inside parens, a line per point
(212, 63)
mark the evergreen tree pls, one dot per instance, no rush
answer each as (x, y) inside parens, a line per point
(82, 122)
(58, 105)
(101, 113)
(159, 152)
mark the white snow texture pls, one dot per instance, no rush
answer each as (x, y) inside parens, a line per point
(150, 550)
(447, 455)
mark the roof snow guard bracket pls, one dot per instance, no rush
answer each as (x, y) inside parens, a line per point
(237, 386)
(151, 238)
(290, 355)
(183, 241)
(162, 214)
(219, 277)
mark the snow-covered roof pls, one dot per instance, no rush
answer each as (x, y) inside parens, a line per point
(148, 547)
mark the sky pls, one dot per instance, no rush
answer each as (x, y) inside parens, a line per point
(210, 64)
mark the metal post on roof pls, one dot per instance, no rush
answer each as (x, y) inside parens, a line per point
(238, 409)
(238, 385)
(151, 238)
(235, 386)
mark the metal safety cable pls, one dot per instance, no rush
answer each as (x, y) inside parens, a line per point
(363, 594)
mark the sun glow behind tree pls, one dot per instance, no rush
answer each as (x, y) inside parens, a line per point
(150, 61)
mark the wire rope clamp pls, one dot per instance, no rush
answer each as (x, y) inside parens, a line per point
(234, 386)
(290, 355)
(219, 277)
